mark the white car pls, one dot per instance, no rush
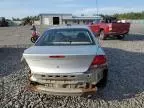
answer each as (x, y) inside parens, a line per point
(67, 60)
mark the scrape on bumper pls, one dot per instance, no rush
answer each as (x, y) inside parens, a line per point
(66, 84)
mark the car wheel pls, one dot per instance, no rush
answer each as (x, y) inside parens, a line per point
(102, 83)
(121, 36)
(102, 35)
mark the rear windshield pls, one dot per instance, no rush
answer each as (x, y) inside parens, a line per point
(65, 37)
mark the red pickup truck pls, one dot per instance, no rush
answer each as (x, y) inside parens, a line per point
(109, 27)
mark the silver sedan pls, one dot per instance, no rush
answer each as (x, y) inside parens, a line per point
(67, 60)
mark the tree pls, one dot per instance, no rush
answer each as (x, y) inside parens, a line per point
(27, 21)
(16, 19)
(131, 15)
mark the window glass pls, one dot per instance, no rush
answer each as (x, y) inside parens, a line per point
(65, 37)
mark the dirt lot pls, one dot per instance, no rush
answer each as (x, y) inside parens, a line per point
(125, 87)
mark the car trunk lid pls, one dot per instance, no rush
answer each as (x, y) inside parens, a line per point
(60, 59)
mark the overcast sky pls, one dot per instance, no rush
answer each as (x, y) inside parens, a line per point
(22, 8)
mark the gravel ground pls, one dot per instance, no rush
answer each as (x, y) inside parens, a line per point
(125, 88)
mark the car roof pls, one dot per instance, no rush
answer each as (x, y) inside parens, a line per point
(70, 27)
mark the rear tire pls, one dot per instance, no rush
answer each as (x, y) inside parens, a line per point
(102, 35)
(121, 37)
(103, 82)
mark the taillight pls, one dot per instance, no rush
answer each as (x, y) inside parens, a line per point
(110, 28)
(99, 60)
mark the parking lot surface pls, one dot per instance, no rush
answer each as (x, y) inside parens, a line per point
(125, 88)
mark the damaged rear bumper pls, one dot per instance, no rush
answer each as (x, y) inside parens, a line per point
(63, 91)
(63, 84)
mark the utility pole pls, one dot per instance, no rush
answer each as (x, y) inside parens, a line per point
(97, 8)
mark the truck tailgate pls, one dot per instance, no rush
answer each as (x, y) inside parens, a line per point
(120, 28)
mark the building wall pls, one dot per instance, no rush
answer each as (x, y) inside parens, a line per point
(47, 19)
(76, 21)
(50, 17)
(37, 22)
